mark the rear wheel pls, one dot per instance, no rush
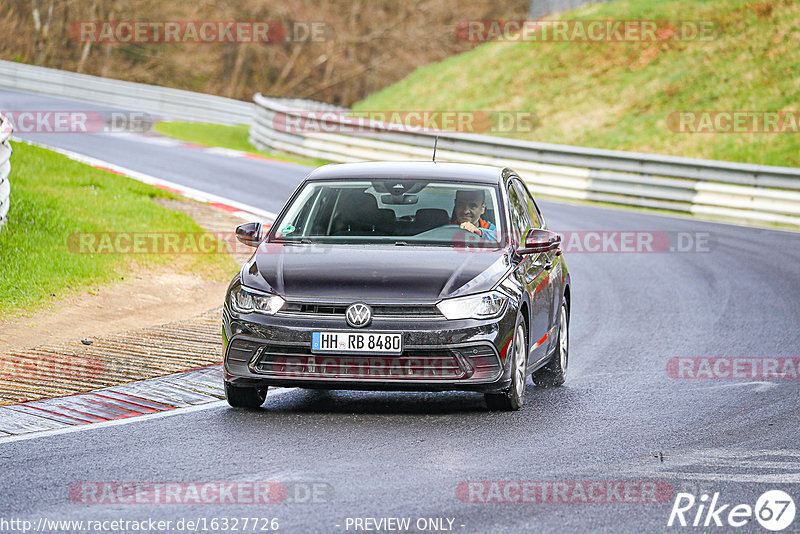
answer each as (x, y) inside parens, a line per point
(513, 398)
(245, 397)
(555, 372)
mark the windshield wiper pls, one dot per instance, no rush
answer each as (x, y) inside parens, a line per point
(422, 244)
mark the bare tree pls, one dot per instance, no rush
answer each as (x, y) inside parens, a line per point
(367, 45)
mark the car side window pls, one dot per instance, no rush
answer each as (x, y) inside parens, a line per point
(520, 223)
(533, 213)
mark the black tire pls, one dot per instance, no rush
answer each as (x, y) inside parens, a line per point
(512, 398)
(245, 397)
(555, 372)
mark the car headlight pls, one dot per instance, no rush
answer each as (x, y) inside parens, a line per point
(480, 306)
(244, 301)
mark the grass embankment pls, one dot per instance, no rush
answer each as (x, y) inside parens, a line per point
(53, 200)
(219, 135)
(619, 95)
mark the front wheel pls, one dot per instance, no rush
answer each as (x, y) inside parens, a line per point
(555, 372)
(513, 398)
(245, 397)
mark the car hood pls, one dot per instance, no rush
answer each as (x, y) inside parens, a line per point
(372, 272)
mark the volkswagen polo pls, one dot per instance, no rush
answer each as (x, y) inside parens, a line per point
(400, 276)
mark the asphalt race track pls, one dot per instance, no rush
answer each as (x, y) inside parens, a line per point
(620, 418)
(248, 181)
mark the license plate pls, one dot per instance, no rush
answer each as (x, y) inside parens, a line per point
(357, 342)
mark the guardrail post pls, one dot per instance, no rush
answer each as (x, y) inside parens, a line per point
(5, 168)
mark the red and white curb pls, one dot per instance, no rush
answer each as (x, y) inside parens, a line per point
(174, 394)
(179, 390)
(238, 209)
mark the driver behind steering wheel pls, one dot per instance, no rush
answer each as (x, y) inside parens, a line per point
(467, 211)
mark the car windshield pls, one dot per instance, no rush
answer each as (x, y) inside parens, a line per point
(401, 211)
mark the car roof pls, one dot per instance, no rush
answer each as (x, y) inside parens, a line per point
(466, 172)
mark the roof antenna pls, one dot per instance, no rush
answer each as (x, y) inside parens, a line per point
(435, 142)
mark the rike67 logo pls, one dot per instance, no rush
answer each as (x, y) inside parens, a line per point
(774, 510)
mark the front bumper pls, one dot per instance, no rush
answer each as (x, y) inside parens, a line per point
(437, 354)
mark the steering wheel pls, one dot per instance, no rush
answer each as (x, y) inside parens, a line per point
(453, 233)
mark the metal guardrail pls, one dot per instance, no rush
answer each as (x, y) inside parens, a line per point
(5, 168)
(160, 101)
(703, 187)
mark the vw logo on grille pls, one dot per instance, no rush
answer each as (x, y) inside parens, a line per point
(358, 315)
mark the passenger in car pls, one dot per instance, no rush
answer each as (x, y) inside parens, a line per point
(467, 210)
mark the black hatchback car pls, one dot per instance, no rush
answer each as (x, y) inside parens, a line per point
(410, 276)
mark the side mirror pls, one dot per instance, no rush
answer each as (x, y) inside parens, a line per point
(537, 241)
(250, 234)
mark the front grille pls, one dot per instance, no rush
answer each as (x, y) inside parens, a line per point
(379, 311)
(296, 361)
(315, 309)
(407, 311)
(479, 362)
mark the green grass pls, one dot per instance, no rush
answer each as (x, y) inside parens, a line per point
(219, 135)
(619, 95)
(54, 198)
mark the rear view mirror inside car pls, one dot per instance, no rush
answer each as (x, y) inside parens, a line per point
(390, 200)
